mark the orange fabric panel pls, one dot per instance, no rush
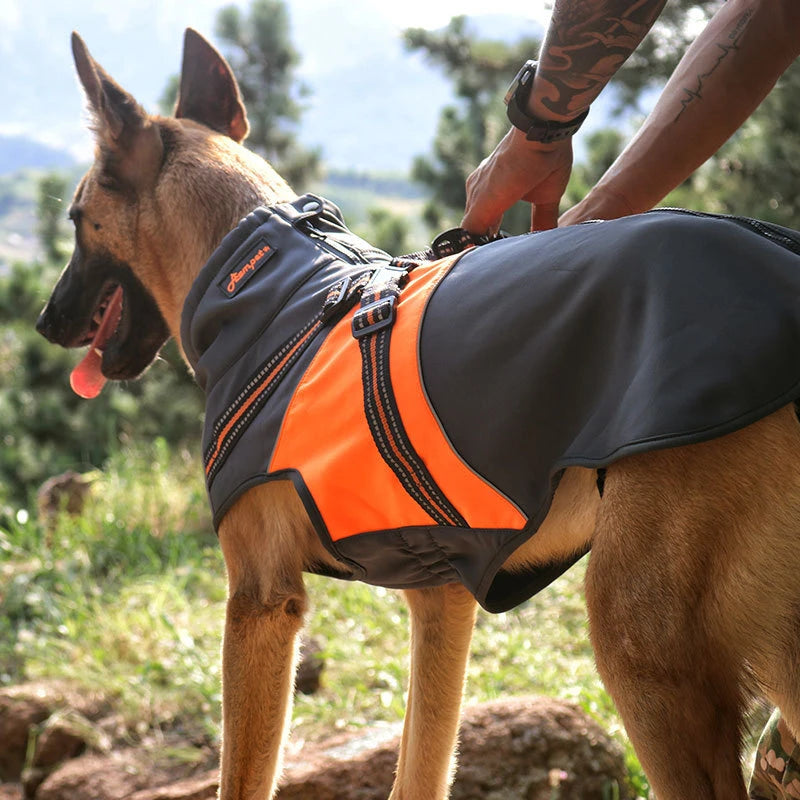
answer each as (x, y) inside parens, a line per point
(325, 435)
(477, 500)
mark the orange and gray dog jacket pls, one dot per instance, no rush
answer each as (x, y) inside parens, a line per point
(426, 410)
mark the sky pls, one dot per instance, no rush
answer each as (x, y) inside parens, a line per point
(345, 45)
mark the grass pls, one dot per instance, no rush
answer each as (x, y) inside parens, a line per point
(129, 598)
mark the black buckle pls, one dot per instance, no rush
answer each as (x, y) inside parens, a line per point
(374, 316)
(386, 273)
(335, 300)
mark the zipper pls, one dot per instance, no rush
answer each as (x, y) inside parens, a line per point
(765, 229)
(352, 255)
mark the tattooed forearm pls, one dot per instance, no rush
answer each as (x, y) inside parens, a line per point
(723, 49)
(587, 42)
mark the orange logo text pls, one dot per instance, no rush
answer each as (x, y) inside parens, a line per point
(237, 277)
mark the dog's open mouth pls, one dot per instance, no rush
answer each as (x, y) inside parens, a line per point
(87, 378)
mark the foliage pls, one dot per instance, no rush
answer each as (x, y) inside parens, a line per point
(468, 130)
(654, 61)
(258, 47)
(106, 598)
(602, 148)
(387, 231)
(51, 190)
(757, 172)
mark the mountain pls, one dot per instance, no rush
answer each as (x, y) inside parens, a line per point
(21, 151)
(372, 105)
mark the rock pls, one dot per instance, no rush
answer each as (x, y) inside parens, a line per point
(309, 670)
(203, 787)
(61, 737)
(101, 777)
(536, 749)
(356, 766)
(17, 716)
(63, 493)
(28, 705)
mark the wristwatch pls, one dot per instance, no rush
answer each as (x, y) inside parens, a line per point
(535, 130)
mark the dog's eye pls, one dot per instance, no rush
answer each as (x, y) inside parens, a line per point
(97, 226)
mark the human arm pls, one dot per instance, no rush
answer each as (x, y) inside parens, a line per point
(585, 44)
(723, 77)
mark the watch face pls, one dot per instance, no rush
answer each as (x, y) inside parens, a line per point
(523, 78)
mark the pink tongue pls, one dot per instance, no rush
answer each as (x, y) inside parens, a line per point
(86, 379)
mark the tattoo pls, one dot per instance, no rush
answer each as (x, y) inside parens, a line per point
(587, 42)
(724, 50)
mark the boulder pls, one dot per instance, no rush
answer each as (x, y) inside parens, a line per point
(17, 716)
(535, 749)
(309, 670)
(64, 493)
(26, 706)
(103, 777)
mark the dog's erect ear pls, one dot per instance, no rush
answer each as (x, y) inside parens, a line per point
(130, 144)
(209, 93)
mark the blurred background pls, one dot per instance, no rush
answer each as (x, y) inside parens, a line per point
(116, 581)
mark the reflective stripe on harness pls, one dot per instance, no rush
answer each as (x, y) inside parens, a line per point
(372, 327)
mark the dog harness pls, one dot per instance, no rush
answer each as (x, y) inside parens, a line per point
(426, 410)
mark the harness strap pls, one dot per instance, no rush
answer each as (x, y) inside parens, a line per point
(450, 242)
(372, 327)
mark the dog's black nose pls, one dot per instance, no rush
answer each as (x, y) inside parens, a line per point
(44, 325)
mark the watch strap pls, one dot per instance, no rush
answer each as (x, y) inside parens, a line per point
(535, 129)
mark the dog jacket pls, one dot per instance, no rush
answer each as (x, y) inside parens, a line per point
(425, 411)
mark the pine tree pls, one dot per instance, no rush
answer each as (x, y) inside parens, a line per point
(258, 46)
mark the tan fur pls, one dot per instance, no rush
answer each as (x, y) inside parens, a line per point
(692, 587)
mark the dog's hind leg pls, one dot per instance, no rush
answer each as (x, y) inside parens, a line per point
(262, 541)
(442, 620)
(674, 584)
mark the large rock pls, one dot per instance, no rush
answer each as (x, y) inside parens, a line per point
(101, 777)
(536, 749)
(17, 716)
(309, 670)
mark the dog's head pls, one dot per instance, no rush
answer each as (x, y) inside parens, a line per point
(160, 195)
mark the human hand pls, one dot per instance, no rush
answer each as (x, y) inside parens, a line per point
(600, 203)
(518, 170)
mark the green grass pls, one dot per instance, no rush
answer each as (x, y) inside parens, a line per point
(129, 599)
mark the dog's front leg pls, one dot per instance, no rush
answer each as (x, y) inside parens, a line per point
(441, 630)
(266, 602)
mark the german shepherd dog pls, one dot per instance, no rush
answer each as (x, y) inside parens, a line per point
(692, 588)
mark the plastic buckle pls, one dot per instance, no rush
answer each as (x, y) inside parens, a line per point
(374, 316)
(335, 299)
(386, 273)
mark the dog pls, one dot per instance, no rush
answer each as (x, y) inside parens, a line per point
(692, 586)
